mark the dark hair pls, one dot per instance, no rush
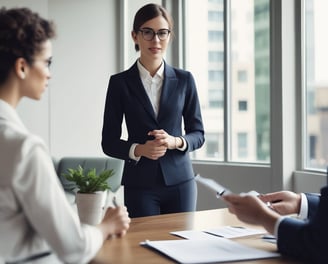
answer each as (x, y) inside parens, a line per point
(149, 12)
(22, 33)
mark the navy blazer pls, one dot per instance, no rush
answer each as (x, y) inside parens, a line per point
(126, 97)
(307, 240)
(313, 203)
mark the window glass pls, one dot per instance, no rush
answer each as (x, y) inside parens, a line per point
(215, 16)
(242, 76)
(248, 61)
(316, 84)
(242, 105)
(250, 80)
(242, 145)
(215, 36)
(215, 56)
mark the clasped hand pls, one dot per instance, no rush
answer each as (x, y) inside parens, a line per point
(156, 148)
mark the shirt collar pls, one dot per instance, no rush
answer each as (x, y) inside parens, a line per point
(144, 74)
(7, 112)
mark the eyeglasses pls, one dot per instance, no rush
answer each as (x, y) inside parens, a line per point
(149, 34)
(47, 62)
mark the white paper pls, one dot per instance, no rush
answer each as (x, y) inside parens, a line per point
(213, 185)
(193, 234)
(234, 231)
(207, 251)
(225, 231)
(217, 188)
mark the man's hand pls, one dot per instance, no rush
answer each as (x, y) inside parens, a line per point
(250, 209)
(283, 202)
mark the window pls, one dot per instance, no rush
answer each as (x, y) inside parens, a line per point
(215, 36)
(215, 16)
(316, 84)
(215, 76)
(242, 76)
(216, 1)
(235, 96)
(242, 145)
(242, 105)
(216, 56)
(212, 146)
(215, 98)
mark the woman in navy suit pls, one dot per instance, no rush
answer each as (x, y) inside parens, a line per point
(305, 237)
(156, 100)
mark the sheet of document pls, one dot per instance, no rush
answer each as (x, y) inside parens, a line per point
(234, 231)
(225, 231)
(207, 250)
(193, 234)
(218, 189)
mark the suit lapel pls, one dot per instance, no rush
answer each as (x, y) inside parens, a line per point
(169, 87)
(136, 87)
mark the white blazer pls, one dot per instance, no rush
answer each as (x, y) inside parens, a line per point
(35, 216)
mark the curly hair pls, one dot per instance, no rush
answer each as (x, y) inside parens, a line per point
(22, 33)
(148, 12)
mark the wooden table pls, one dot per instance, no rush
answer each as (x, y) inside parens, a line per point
(127, 250)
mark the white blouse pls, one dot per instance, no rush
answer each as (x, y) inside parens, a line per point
(35, 216)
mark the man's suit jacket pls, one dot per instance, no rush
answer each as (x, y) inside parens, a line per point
(307, 240)
(126, 97)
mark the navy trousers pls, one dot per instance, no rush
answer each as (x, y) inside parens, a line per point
(161, 199)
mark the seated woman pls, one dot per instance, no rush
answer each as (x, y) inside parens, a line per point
(36, 221)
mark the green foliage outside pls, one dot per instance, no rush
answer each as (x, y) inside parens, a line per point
(89, 181)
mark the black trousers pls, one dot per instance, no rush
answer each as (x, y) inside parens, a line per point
(161, 199)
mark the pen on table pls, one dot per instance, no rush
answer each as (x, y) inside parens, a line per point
(268, 236)
(240, 227)
(115, 202)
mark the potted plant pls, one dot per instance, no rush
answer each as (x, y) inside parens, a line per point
(91, 189)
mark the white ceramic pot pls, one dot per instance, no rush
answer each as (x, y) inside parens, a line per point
(90, 207)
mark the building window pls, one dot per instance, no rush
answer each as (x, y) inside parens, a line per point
(215, 76)
(215, 98)
(216, 56)
(215, 16)
(212, 146)
(242, 145)
(242, 76)
(242, 105)
(215, 36)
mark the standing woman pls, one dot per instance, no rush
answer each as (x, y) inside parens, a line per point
(156, 100)
(37, 224)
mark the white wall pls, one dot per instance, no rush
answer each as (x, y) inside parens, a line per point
(69, 116)
(84, 58)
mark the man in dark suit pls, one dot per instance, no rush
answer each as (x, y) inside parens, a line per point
(303, 237)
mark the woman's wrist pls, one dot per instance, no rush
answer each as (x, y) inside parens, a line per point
(178, 142)
(137, 151)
